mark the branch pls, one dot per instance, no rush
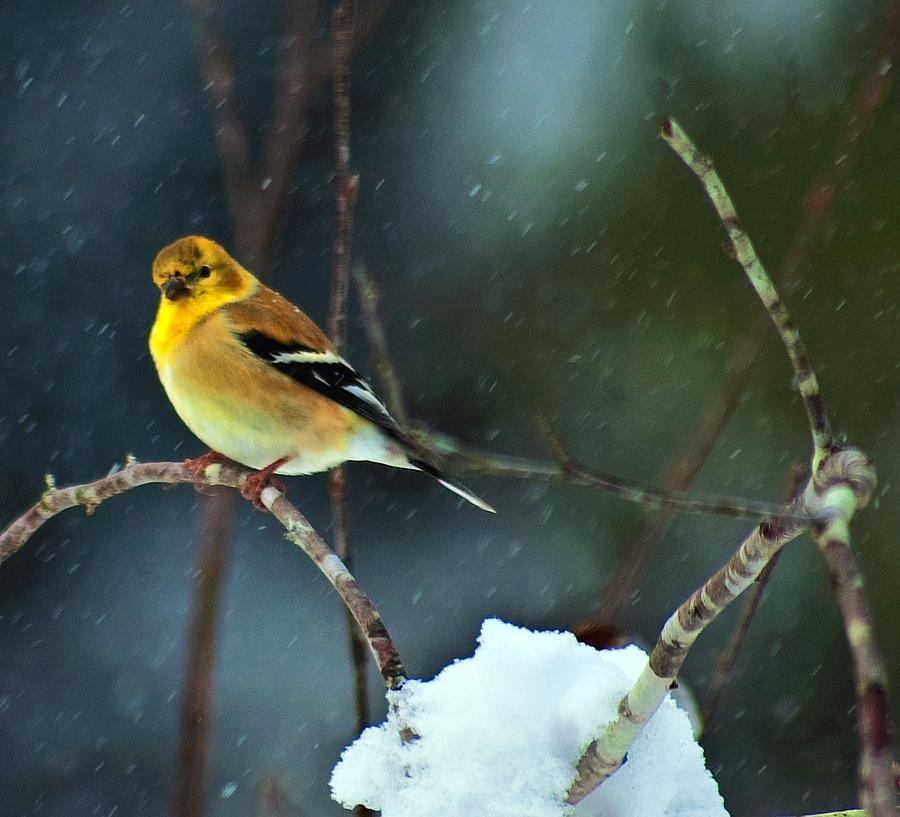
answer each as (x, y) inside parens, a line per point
(807, 383)
(462, 458)
(842, 482)
(211, 559)
(819, 198)
(346, 186)
(369, 297)
(220, 74)
(728, 656)
(606, 754)
(92, 494)
(878, 793)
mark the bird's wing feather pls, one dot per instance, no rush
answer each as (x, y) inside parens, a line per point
(277, 332)
(325, 372)
(276, 317)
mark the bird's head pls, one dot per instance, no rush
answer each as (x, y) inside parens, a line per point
(197, 272)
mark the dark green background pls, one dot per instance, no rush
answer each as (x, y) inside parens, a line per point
(539, 249)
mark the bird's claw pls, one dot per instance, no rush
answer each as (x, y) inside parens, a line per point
(198, 465)
(256, 483)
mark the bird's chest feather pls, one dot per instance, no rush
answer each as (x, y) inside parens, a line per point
(243, 408)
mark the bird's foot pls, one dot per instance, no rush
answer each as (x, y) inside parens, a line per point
(198, 465)
(256, 483)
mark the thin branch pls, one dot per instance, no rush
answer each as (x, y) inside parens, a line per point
(346, 187)
(220, 74)
(727, 658)
(842, 482)
(816, 203)
(92, 494)
(878, 792)
(210, 569)
(606, 754)
(346, 184)
(807, 383)
(462, 458)
(654, 498)
(369, 298)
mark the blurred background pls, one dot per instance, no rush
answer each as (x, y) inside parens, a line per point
(539, 249)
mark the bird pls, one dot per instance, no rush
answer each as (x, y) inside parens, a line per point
(256, 380)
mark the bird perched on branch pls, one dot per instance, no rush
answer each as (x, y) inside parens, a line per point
(257, 381)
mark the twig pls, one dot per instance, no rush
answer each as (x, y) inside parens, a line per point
(346, 188)
(369, 298)
(807, 383)
(211, 566)
(462, 458)
(726, 660)
(878, 792)
(841, 469)
(842, 482)
(346, 184)
(92, 494)
(727, 657)
(654, 498)
(819, 198)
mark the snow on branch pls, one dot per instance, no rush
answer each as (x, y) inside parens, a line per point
(500, 733)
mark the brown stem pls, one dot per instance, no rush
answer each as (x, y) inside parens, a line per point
(346, 187)
(346, 184)
(211, 567)
(369, 297)
(878, 793)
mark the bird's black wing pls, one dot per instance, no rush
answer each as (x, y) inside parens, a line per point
(324, 372)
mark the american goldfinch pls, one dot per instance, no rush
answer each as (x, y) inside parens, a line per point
(258, 382)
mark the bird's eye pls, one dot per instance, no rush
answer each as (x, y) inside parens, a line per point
(204, 271)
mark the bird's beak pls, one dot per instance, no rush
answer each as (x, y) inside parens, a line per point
(175, 288)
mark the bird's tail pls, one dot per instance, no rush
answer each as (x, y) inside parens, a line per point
(450, 483)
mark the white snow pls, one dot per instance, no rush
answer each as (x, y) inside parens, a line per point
(500, 734)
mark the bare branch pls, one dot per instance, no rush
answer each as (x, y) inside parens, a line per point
(878, 792)
(346, 184)
(727, 657)
(703, 169)
(299, 531)
(210, 568)
(464, 459)
(369, 297)
(220, 74)
(846, 471)
(820, 196)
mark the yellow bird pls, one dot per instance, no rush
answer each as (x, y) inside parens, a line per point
(258, 382)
